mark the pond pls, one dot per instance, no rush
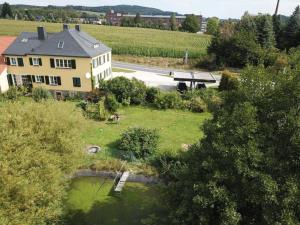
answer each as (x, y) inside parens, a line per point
(92, 202)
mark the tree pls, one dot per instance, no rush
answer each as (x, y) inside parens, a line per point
(40, 147)
(265, 32)
(138, 19)
(246, 169)
(6, 11)
(212, 25)
(191, 24)
(289, 36)
(173, 22)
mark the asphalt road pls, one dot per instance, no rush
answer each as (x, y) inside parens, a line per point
(157, 70)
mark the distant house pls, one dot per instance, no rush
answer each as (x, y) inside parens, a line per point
(5, 41)
(115, 18)
(66, 63)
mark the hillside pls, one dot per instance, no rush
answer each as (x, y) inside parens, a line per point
(131, 9)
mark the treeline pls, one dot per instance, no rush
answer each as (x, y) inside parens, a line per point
(261, 39)
(46, 14)
(191, 23)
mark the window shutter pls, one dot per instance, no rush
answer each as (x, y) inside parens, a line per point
(73, 63)
(7, 61)
(47, 79)
(43, 79)
(10, 80)
(58, 81)
(52, 64)
(33, 78)
(30, 61)
(40, 61)
(20, 62)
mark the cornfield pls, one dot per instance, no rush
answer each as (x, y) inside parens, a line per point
(127, 41)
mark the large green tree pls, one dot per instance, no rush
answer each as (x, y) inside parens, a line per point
(39, 148)
(173, 22)
(191, 24)
(264, 31)
(212, 25)
(246, 169)
(6, 11)
(289, 36)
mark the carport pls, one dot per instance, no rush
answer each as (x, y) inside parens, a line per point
(194, 77)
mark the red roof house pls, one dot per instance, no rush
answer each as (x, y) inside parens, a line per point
(5, 42)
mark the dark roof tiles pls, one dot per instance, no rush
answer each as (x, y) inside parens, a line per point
(76, 44)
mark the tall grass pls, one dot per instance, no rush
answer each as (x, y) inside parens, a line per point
(126, 40)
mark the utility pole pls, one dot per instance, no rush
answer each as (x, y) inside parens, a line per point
(277, 7)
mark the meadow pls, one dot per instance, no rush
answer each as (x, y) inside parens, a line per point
(126, 40)
(176, 128)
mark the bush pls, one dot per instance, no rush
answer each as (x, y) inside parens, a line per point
(168, 100)
(197, 105)
(39, 94)
(121, 87)
(110, 103)
(151, 95)
(138, 94)
(14, 93)
(141, 142)
(229, 81)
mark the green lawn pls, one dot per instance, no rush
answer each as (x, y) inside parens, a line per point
(125, 40)
(88, 205)
(175, 128)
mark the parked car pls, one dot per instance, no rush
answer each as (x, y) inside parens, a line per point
(182, 87)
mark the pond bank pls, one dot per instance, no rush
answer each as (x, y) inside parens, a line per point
(109, 174)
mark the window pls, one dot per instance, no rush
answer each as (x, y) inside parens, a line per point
(108, 58)
(63, 63)
(104, 59)
(24, 40)
(96, 45)
(53, 80)
(39, 79)
(13, 61)
(76, 82)
(35, 61)
(60, 44)
(95, 63)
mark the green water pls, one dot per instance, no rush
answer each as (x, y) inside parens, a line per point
(90, 202)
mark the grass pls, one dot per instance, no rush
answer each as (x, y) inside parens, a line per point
(88, 205)
(119, 70)
(127, 41)
(175, 128)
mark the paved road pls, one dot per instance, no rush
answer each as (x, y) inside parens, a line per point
(156, 70)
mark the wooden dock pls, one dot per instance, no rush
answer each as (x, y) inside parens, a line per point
(121, 182)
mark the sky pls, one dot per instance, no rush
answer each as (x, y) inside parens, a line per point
(208, 8)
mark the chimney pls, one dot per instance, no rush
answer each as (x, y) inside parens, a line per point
(66, 27)
(42, 35)
(77, 27)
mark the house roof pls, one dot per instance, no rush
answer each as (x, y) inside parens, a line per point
(5, 41)
(73, 43)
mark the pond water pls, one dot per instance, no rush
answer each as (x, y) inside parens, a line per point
(92, 202)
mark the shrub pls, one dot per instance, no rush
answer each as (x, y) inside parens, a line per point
(39, 94)
(110, 103)
(168, 100)
(197, 105)
(141, 142)
(121, 87)
(229, 81)
(151, 95)
(14, 93)
(138, 93)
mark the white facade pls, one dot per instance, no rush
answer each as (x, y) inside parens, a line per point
(101, 68)
(3, 81)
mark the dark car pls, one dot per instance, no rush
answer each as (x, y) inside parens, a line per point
(181, 87)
